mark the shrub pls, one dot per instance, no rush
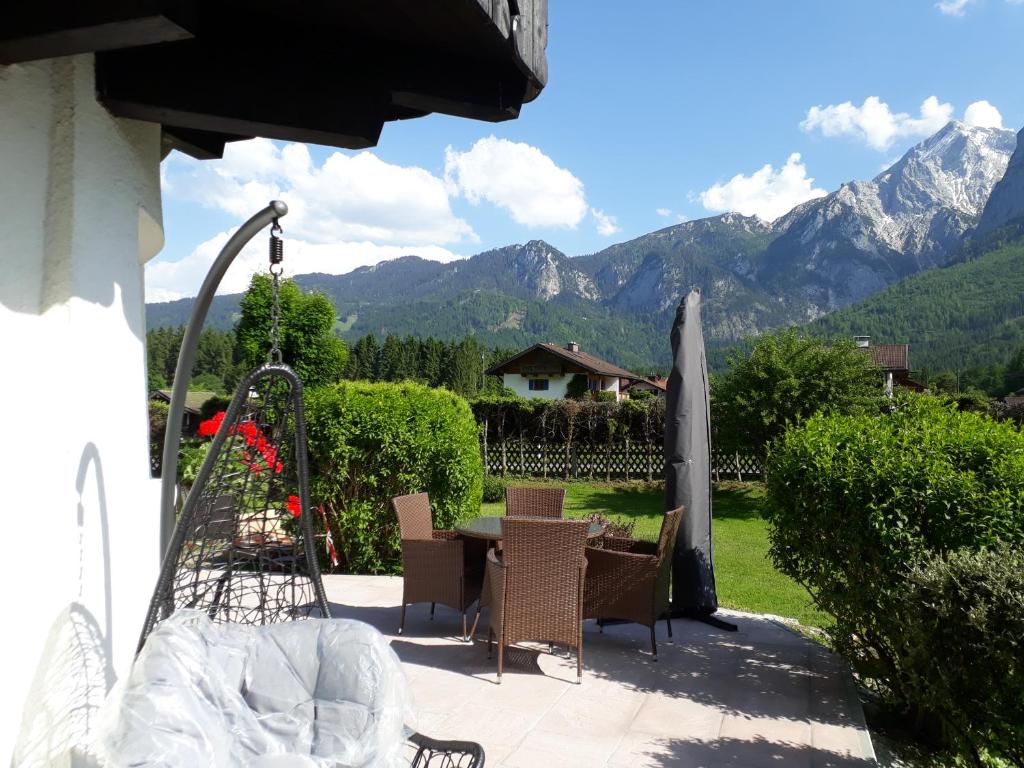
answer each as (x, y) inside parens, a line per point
(578, 387)
(856, 503)
(785, 378)
(369, 442)
(494, 489)
(605, 397)
(613, 529)
(962, 609)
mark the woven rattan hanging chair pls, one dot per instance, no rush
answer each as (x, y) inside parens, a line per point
(243, 548)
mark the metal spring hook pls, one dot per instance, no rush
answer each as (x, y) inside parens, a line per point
(276, 246)
(276, 257)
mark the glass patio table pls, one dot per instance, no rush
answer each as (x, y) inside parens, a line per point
(489, 528)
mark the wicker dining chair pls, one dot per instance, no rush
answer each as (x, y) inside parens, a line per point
(534, 502)
(438, 566)
(536, 585)
(629, 579)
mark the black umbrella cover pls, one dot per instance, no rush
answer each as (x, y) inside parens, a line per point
(688, 463)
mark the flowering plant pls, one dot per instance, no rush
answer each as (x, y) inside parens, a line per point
(263, 454)
(259, 453)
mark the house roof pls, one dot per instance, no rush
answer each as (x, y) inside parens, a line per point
(195, 399)
(325, 72)
(585, 360)
(658, 382)
(889, 357)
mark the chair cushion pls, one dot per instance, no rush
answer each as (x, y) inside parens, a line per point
(329, 691)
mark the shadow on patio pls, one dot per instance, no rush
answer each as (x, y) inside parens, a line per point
(763, 695)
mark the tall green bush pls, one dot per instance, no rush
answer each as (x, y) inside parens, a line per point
(856, 503)
(370, 442)
(962, 654)
(785, 378)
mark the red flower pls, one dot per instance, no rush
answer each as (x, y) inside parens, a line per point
(265, 454)
(295, 506)
(209, 427)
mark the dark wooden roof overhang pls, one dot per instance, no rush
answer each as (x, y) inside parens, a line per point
(323, 71)
(580, 360)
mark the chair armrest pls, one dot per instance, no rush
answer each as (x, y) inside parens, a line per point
(628, 563)
(431, 752)
(619, 584)
(636, 546)
(447, 535)
(425, 555)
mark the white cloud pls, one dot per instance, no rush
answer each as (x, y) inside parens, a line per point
(350, 211)
(347, 198)
(519, 178)
(983, 115)
(169, 280)
(766, 193)
(953, 7)
(663, 212)
(874, 123)
(606, 225)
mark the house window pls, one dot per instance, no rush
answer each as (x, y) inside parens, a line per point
(538, 385)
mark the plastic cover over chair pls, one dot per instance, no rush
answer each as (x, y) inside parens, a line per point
(310, 693)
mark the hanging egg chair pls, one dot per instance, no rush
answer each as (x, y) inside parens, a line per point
(242, 550)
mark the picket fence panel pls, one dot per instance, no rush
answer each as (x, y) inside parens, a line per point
(621, 460)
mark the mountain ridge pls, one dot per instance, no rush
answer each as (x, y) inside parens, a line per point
(825, 254)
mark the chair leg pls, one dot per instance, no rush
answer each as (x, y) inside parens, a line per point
(490, 638)
(465, 637)
(432, 605)
(501, 657)
(654, 643)
(579, 660)
(668, 620)
(476, 620)
(401, 623)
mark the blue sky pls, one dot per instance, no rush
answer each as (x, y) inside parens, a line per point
(650, 105)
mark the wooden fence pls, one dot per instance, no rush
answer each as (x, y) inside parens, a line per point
(622, 460)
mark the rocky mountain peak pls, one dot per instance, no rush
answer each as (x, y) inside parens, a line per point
(1006, 203)
(956, 168)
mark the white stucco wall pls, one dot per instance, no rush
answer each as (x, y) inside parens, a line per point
(519, 384)
(80, 202)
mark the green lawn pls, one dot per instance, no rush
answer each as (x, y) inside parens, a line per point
(744, 575)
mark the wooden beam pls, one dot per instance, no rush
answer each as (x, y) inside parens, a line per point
(42, 29)
(530, 38)
(202, 145)
(228, 91)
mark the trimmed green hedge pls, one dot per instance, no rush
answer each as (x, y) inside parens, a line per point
(857, 503)
(962, 654)
(370, 442)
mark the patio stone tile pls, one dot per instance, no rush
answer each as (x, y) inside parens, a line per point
(762, 696)
(841, 742)
(583, 717)
(548, 749)
(774, 730)
(677, 718)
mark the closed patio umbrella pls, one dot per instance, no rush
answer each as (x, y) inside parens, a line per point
(688, 466)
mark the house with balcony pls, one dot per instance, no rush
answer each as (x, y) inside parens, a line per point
(546, 370)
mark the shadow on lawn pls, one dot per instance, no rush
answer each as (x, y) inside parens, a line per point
(644, 503)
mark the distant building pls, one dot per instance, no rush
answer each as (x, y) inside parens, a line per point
(893, 360)
(655, 384)
(195, 399)
(545, 370)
